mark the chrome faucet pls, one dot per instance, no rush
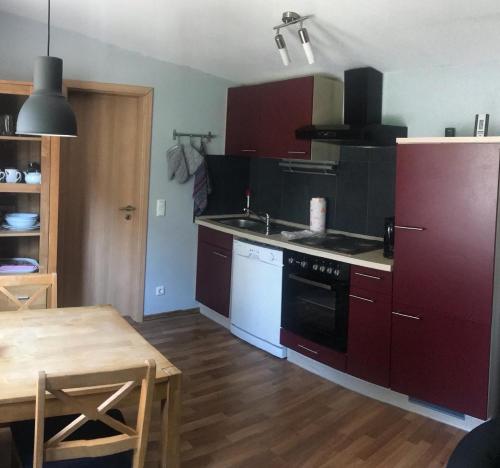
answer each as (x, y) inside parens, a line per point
(266, 217)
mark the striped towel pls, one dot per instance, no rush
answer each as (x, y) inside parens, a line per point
(202, 187)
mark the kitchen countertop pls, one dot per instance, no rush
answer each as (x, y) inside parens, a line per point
(434, 140)
(373, 259)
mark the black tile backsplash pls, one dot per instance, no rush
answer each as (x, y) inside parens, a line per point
(358, 198)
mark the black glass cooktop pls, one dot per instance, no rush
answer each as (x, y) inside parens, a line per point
(341, 244)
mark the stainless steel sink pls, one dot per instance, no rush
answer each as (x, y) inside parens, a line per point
(256, 225)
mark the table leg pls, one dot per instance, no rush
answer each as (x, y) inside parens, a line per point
(170, 424)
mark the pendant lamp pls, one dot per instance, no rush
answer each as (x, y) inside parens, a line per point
(47, 112)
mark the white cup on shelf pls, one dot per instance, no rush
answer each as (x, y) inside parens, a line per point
(11, 176)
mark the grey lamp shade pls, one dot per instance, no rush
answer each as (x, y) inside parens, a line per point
(46, 111)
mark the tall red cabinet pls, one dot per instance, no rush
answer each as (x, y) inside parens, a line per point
(443, 301)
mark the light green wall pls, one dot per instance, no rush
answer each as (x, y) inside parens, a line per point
(429, 100)
(184, 99)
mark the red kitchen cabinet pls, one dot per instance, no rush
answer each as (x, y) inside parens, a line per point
(262, 119)
(286, 106)
(242, 124)
(213, 277)
(446, 215)
(369, 336)
(441, 360)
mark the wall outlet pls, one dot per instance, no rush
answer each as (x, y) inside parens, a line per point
(160, 290)
(161, 207)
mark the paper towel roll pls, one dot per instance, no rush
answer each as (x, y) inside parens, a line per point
(318, 214)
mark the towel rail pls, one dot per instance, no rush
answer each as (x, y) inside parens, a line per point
(208, 135)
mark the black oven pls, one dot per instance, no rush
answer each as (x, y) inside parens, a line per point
(315, 303)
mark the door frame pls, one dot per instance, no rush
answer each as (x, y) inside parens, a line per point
(144, 132)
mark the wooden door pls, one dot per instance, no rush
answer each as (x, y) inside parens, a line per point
(104, 170)
(242, 124)
(285, 106)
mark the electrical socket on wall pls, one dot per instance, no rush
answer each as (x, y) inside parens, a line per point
(160, 290)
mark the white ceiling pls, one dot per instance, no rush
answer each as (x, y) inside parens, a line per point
(234, 38)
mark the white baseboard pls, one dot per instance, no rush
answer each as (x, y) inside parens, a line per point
(215, 316)
(386, 395)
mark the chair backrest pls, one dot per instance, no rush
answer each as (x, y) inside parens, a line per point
(30, 291)
(129, 438)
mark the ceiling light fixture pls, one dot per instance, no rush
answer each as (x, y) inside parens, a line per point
(280, 42)
(289, 18)
(47, 112)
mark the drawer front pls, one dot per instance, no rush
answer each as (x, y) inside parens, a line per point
(312, 350)
(369, 279)
(216, 238)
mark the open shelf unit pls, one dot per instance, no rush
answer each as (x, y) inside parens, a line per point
(17, 151)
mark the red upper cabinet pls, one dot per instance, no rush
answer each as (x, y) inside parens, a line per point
(286, 106)
(243, 112)
(262, 119)
(444, 253)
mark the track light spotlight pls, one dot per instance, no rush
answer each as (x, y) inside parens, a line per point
(280, 42)
(306, 44)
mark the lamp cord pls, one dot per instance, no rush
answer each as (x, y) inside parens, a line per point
(48, 31)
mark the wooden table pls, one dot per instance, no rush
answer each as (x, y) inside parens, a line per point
(80, 339)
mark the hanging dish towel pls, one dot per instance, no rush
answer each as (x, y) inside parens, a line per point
(176, 164)
(194, 157)
(202, 187)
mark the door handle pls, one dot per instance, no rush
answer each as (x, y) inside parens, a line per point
(399, 314)
(361, 298)
(217, 254)
(297, 152)
(410, 228)
(307, 349)
(368, 276)
(127, 208)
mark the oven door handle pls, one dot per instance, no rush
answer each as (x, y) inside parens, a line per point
(310, 282)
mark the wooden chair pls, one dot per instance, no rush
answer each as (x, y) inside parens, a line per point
(21, 292)
(97, 436)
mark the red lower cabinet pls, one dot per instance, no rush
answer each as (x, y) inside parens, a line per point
(317, 352)
(369, 337)
(213, 276)
(444, 361)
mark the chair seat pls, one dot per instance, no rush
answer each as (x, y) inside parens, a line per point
(480, 448)
(23, 433)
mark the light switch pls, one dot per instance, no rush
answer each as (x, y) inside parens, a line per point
(161, 207)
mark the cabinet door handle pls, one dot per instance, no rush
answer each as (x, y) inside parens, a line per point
(307, 349)
(297, 152)
(219, 254)
(361, 298)
(410, 228)
(248, 151)
(368, 276)
(399, 314)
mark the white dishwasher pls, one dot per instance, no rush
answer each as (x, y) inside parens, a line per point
(256, 295)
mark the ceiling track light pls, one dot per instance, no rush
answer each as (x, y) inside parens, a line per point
(280, 42)
(47, 112)
(290, 18)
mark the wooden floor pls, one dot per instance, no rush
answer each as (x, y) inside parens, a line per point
(245, 408)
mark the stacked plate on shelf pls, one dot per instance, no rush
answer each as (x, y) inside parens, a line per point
(21, 222)
(18, 266)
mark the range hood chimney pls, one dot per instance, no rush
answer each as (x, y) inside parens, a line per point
(362, 114)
